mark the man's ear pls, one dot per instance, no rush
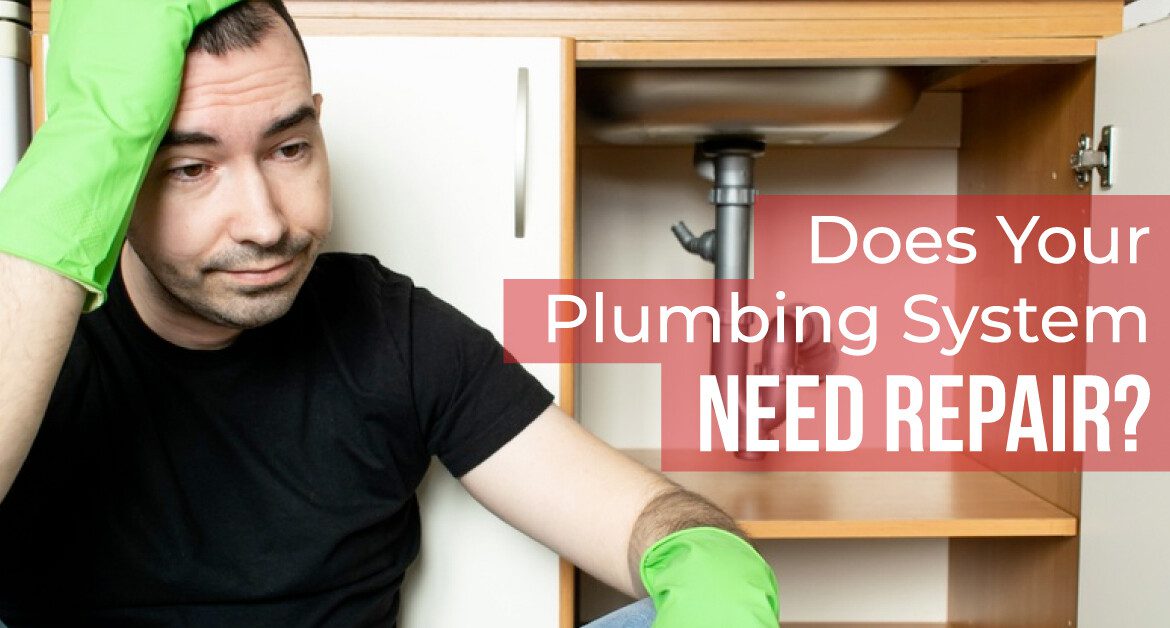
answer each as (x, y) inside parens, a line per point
(317, 104)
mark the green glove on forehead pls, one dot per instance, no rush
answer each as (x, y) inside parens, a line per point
(112, 80)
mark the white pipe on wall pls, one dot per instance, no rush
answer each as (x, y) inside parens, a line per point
(15, 58)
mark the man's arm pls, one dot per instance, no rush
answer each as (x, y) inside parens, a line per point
(38, 314)
(671, 511)
(112, 81)
(585, 500)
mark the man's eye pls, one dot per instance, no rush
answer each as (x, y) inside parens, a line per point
(188, 172)
(293, 151)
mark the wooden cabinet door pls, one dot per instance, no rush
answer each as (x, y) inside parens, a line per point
(427, 139)
(1124, 574)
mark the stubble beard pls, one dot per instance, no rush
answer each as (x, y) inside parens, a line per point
(234, 306)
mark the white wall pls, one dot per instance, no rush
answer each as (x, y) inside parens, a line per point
(629, 198)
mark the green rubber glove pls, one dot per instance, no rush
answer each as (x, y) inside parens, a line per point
(709, 578)
(111, 84)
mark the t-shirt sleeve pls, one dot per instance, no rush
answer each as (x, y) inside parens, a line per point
(470, 399)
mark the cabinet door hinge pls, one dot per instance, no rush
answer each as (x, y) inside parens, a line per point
(1086, 160)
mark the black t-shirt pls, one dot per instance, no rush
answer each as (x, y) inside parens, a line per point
(271, 483)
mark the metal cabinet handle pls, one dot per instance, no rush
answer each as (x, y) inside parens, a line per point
(521, 151)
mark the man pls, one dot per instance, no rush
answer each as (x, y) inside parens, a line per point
(235, 438)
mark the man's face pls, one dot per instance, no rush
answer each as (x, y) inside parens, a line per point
(236, 204)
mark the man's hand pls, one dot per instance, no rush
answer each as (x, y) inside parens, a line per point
(111, 84)
(704, 576)
(697, 568)
(626, 525)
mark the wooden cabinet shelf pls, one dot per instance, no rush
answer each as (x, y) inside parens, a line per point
(837, 505)
(739, 32)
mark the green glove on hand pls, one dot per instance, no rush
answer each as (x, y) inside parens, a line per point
(111, 83)
(709, 578)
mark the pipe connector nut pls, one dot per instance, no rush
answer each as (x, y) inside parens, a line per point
(732, 196)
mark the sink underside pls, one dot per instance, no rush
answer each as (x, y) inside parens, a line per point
(776, 105)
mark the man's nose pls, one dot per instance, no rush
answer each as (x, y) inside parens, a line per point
(257, 217)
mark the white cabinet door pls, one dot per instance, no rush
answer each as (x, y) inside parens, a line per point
(1124, 573)
(423, 140)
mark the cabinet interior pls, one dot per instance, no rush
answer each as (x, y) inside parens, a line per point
(1004, 129)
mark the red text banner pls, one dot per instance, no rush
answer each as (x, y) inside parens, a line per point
(896, 333)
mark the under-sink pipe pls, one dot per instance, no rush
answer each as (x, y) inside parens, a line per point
(811, 355)
(733, 197)
(728, 162)
(703, 246)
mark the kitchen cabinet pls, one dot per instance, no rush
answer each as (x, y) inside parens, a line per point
(1020, 120)
(1123, 574)
(1012, 548)
(447, 157)
(732, 31)
(975, 564)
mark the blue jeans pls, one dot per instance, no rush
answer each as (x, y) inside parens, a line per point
(637, 615)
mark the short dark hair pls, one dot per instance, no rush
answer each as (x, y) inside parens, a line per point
(242, 26)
